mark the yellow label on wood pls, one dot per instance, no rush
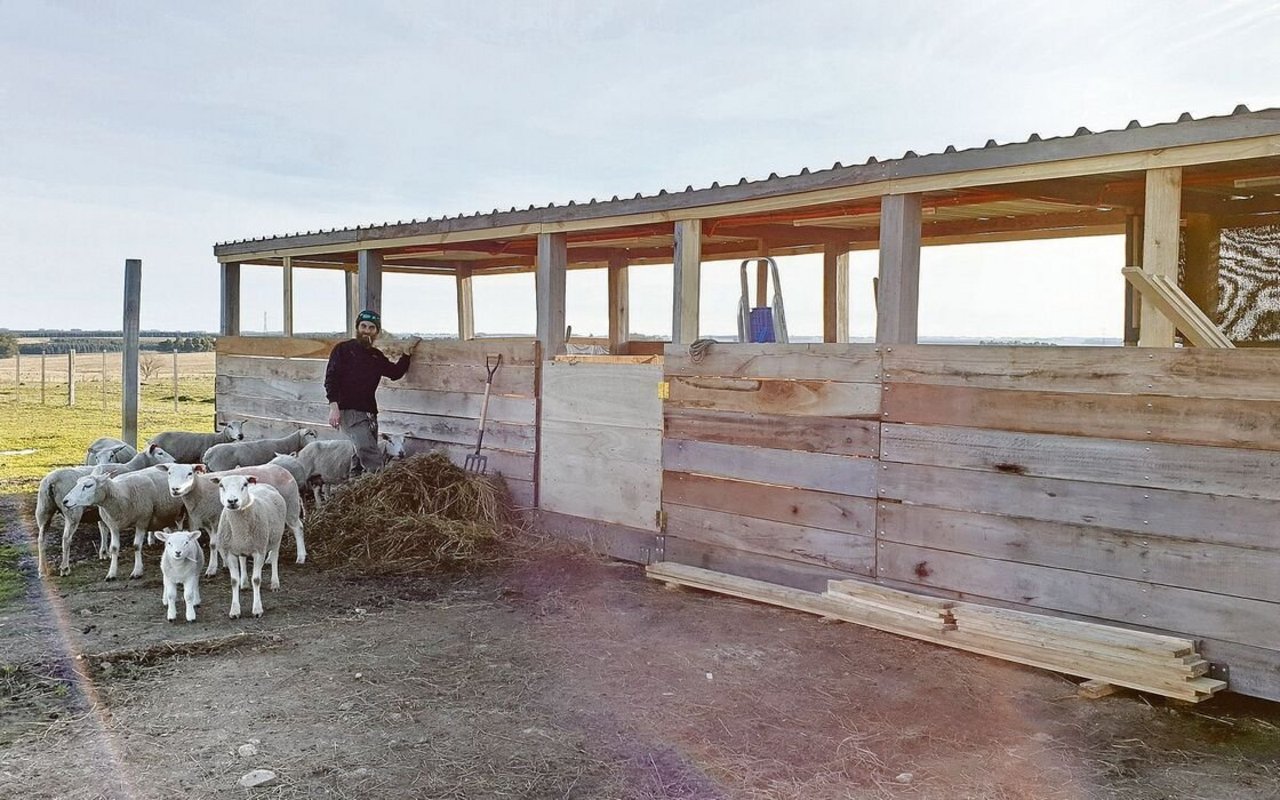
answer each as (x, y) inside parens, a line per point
(664, 390)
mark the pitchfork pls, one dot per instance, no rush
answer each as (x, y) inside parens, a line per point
(475, 462)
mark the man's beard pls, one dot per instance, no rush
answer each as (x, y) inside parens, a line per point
(365, 339)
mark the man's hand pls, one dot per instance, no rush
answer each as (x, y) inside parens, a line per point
(335, 416)
(414, 341)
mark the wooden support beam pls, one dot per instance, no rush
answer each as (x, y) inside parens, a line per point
(1132, 302)
(466, 304)
(132, 331)
(835, 293)
(762, 277)
(1160, 248)
(287, 292)
(687, 280)
(1178, 310)
(1203, 240)
(619, 303)
(353, 301)
(898, 303)
(230, 325)
(550, 277)
(369, 272)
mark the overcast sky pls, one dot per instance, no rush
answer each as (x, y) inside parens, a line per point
(154, 130)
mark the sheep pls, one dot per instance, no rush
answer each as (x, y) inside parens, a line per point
(138, 500)
(109, 451)
(181, 563)
(200, 497)
(328, 462)
(296, 468)
(55, 486)
(252, 452)
(251, 524)
(189, 447)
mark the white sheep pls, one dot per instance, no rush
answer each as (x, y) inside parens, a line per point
(189, 447)
(109, 451)
(55, 486)
(296, 468)
(138, 500)
(194, 484)
(328, 463)
(252, 523)
(252, 452)
(181, 563)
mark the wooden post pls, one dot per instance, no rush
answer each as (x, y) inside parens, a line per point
(619, 302)
(17, 372)
(104, 379)
(131, 327)
(1132, 258)
(553, 260)
(1160, 247)
(287, 292)
(230, 302)
(762, 278)
(1200, 277)
(898, 301)
(71, 377)
(353, 301)
(466, 304)
(835, 292)
(44, 357)
(175, 377)
(687, 281)
(369, 272)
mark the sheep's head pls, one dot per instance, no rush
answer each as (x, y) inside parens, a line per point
(393, 445)
(234, 429)
(305, 437)
(160, 455)
(182, 477)
(181, 545)
(233, 491)
(88, 491)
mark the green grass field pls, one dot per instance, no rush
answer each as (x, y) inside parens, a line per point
(36, 438)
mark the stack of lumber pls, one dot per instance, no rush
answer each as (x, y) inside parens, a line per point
(1148, 662)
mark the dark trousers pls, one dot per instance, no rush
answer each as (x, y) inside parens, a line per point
(361, 428)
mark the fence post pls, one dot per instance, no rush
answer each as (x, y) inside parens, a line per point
(43, 359)
(71, 377)
(17, 375)
(175, 376)
(129, 394)
(104, 379)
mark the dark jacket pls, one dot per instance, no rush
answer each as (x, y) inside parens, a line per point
(353, 373)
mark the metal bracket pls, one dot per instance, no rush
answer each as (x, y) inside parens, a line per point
(1220, 671)
(660, 548)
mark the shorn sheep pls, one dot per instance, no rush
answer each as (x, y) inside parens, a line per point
(328, 462)
(188, 448)
(55, 486)
(194, 484)
(181, 563)
(109, 451)
(137, 500)
(251, 525)
(252, 452)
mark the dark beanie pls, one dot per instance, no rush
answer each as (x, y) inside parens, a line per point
(369, 315)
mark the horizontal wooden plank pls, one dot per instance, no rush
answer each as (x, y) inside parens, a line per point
(1230, 521)
(849, 437)
(276, 346)
(1185, 611)
(1252, 671)
(859, 363)
(797, 398)
(523, 494)
(1189, 372)
(1210, 470)
(300, 370)
(1253, 424)
(795, 574)
(1211, 567)
(521, 352)
(827, 473)
(846, 552)
(515, 380)
(602, 443)
(835, 512)
(611, 394)
(617, 541)
(620, 492)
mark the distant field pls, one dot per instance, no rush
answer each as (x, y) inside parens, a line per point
(35, 438)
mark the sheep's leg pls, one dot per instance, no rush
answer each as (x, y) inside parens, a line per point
(299, 544)
(70, 521)
(212, 569)
(257, 583)
(140, 534)
(233, 566)
(114, 552)
(191, 595)
(104, 540)
(44, 517)
(273, 556)
(170, 596)
(244, 571)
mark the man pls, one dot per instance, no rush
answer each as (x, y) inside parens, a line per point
(350, 381)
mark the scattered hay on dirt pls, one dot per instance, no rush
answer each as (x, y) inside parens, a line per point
(160, 652)
(420, 514)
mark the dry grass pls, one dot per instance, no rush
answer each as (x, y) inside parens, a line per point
(421, 514)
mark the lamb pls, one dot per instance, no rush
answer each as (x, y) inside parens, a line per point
(251, 524)
(138, 500)
(328, 462)
(55, 486)
(200, 497)
(252, 452)
(189, 447)
(181, 563)
(109, 451)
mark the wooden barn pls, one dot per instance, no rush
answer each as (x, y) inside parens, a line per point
(1135, 486)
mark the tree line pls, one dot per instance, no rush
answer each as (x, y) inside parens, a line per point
(10, 346)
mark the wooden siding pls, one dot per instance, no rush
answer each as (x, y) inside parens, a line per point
(277, 384)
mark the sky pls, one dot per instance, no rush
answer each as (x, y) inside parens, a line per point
(155, 130)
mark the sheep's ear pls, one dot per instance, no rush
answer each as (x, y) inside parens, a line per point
(384, 436)
(215, 479)
(252, 479)
(200, 468)
(161, 535)
(162, 467)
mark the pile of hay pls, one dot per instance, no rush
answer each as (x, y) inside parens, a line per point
(420, 514)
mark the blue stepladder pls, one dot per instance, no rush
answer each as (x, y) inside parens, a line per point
(763, 323)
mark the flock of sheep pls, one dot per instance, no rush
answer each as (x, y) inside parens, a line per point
(240, 494)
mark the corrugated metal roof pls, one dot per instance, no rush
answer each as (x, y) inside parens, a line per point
(617, 205)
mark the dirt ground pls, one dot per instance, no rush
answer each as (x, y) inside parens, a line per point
(561, 676)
